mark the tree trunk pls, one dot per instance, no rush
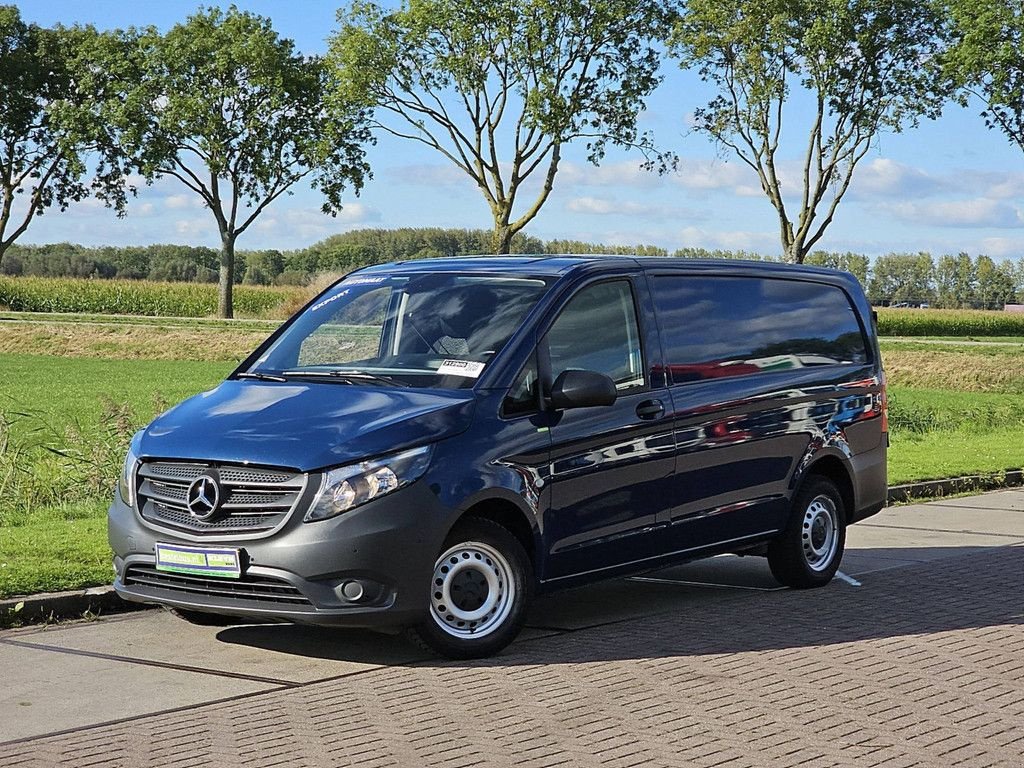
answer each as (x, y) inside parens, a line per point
(502, 238)
(225, 293)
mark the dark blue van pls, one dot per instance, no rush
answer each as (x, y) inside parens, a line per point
(426, 445)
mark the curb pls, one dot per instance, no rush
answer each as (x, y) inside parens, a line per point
(932, 489)
(53, 606)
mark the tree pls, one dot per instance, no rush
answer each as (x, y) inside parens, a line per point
(898, 277)
(868, 66)
(228, 108)
(955, 279)
(854, 263)
(987, 59)
(995, 286)
(499, 87)
(52, 82)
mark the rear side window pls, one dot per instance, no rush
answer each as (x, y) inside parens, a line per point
(716, 327)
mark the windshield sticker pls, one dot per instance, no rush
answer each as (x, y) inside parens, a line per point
(364, 281)
(325, 302)
(465, 368)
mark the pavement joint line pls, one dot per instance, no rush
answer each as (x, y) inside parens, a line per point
(144, 715)
(148, 662)
(942, 530)
(37, 629)
(706, 584)
(946, 505)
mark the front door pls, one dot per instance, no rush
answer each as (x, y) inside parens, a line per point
(611, 466)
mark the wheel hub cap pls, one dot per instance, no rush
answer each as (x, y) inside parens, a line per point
(472, 591)
(820, 533)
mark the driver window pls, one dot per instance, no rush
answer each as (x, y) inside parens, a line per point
(597, 331)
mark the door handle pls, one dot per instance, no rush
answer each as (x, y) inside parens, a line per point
(650, 409)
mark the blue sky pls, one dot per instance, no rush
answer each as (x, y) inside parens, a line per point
(947, 186)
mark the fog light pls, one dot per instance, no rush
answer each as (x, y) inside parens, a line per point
(352, 590)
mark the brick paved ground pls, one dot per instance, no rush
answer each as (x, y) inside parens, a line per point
(922, 665)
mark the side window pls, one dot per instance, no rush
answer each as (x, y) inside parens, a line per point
(597, 331)
(522, 397)
(715, 327)
(350, 334)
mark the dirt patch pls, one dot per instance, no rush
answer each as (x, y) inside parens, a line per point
(128, 342)
(956, 371)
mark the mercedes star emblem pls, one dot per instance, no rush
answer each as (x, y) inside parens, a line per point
(203, 497)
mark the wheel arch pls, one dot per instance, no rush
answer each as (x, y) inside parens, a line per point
(835, 469)
(510, 516)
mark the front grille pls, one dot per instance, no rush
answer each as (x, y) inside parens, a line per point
(260, 589)
(253, 500)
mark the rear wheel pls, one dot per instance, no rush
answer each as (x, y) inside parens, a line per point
(479, 592)
(808, 553)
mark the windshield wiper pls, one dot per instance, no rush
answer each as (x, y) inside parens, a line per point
(260, 376)
(350, 377)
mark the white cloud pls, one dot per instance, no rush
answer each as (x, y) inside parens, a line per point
(1002, 246)
(979, 212)
(598, 206)
(177, 202)
(196, 227)
(701, 174)
(431, 175)
(625, 173)
(884, 177)
(730, 240)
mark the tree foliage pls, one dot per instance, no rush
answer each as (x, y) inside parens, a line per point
(867, 66)
(499, 87)
(987, 58)
(226, 106)
(52, 84)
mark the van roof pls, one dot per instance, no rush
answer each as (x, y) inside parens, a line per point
(561, 264)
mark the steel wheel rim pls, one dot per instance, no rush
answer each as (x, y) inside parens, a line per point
(819, 533)
(472, 591)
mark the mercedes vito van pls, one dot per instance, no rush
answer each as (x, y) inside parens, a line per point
(427, 445)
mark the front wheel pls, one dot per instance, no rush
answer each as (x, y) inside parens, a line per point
(479, 592)
(808, 552)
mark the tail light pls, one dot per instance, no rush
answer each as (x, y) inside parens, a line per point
(884, 403)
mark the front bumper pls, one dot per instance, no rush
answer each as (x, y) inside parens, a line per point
(303, 573)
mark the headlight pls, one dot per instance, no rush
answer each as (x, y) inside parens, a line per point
(345, 488)
(126, 483)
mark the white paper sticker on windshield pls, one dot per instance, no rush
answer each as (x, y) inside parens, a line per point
(465, 368)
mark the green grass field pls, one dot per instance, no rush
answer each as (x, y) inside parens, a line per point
(67, 382)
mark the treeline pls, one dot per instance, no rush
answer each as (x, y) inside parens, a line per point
(947, 281)
(339, 253)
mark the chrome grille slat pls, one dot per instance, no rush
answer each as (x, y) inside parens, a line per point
(254, 500)
(256, 588)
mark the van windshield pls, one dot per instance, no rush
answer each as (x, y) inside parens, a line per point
(421, 330)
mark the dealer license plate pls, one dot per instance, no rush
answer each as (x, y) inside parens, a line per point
(203, 561)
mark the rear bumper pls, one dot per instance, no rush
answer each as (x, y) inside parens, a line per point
(306, 572)
(871, 478)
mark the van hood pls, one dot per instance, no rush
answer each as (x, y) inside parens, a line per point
(304, 426)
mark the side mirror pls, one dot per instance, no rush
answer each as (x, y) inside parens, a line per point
(582, 389)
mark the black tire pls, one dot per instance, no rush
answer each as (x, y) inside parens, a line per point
(486, 575)
(809, 551)
(201, 619)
